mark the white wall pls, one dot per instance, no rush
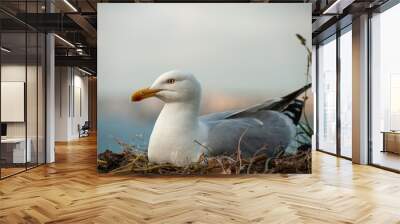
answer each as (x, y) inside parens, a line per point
(35, 124)
(14, 73)
(79, 117)
(70, 84)
(62, 81)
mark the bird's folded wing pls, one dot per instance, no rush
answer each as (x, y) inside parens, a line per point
(274, 104)
(217, 116)
(263, 128)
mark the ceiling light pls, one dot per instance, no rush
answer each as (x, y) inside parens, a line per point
(84, 71)
(5, 50)
(65, 41)
(70, 5)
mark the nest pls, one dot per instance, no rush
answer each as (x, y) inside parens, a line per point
(133, 161)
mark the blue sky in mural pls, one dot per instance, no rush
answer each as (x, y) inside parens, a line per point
(241, 53)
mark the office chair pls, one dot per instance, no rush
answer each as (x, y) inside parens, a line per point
(84, 130)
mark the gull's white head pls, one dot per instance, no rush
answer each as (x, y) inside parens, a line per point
(172, 86)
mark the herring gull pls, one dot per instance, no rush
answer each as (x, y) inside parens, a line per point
(180, 135)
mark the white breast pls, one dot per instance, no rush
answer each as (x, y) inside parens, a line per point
(173, 137)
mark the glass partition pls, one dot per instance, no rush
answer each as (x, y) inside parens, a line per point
(41, 97)
(22, 77)
(14, 153)
(31, 99)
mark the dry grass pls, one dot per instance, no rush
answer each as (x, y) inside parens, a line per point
(132, 161)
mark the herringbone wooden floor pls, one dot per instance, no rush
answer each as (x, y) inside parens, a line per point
(71, 191)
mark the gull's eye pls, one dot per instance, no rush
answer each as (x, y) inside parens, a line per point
(171, 81)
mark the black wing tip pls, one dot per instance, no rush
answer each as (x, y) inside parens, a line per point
(295, 94)
(294, 110)
(279, 105)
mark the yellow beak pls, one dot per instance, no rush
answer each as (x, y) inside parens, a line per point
(143, 94)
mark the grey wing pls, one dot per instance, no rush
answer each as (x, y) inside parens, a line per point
(217, 116)
(274, 104)
(270, 129)
(263, 125)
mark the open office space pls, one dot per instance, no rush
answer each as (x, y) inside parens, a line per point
(308, 90)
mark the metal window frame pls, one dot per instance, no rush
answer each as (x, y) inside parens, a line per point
(381, 9)
(339, 32)
(387, 5)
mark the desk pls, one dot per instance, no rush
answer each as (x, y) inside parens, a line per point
(391, 141)
(13, 150)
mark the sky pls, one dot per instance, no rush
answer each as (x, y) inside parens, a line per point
(241, 54)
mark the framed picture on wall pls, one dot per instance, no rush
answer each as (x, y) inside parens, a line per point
(204, 89)
(12, 101)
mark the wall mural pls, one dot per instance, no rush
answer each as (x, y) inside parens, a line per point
(204, 89)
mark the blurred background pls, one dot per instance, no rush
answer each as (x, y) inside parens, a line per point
(241, 54)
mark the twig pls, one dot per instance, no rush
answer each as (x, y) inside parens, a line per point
(253, 159)
(239, 152)
(309, 57)
(204, 146)
(222, 165)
